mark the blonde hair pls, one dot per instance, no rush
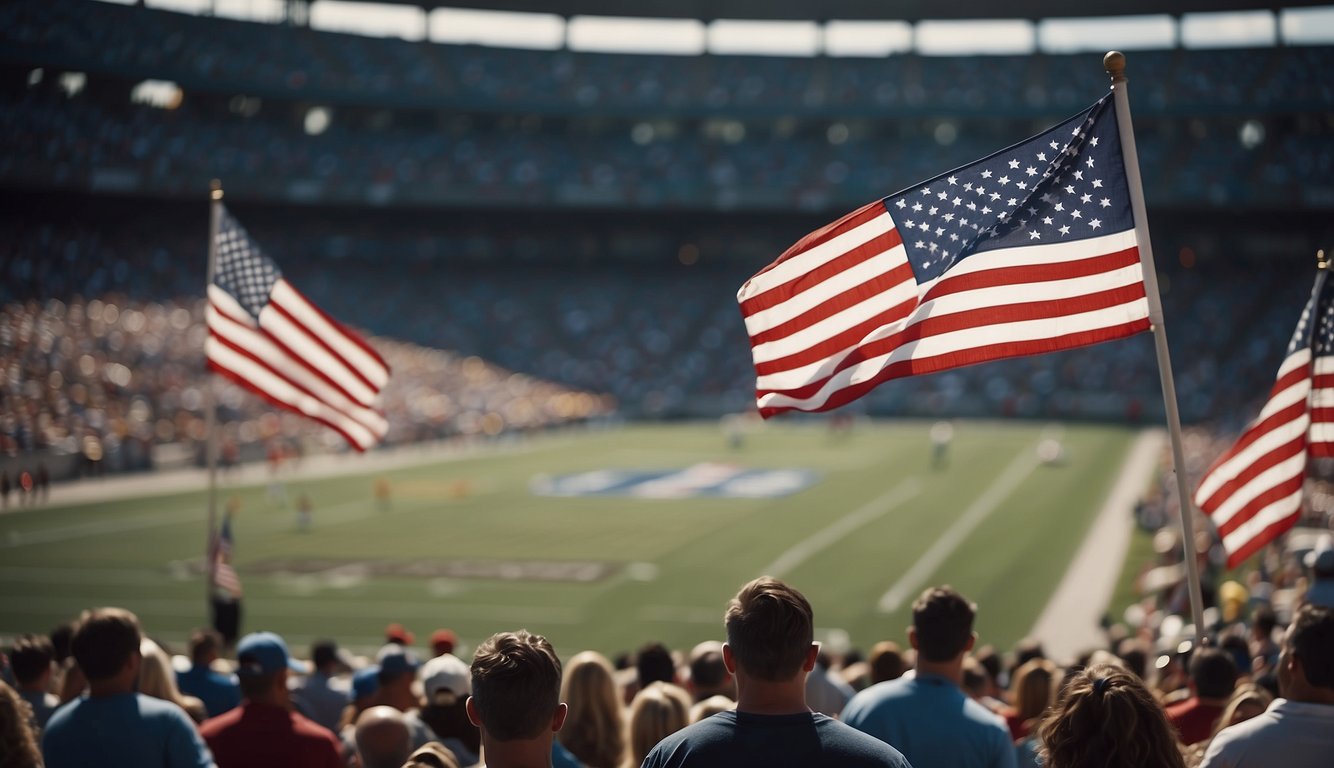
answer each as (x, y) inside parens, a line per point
(710, 707)
(1108, 719)
(594, 730)
(657, 712)
(1247, 693)
(158, 679)
(18, 742)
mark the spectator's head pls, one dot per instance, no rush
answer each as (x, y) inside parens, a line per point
(365, 684)
(1032, 688)
(397, 634)
(61, 637)
(657, 712)
(1306, 664)
(324, 655)
(516, 688)
(1213, 674)
(262, 667)
(432, 755)
(886, 661)
(382, 737)
(32, 659)
(446, 683)
(942, 625)
(1109, 719)
(708, 672)
(398, 670)
(1263, 622)
(770, 631)
(1247, 701)
(156, 676)
(594, 731)
(18, 739)
(204, 646)
(106, 645)
(443, 641)
(710, 707)
(654, 663)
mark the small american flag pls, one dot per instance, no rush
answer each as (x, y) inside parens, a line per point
(1027, 251)
(1253, 492)
(224, 575)
(270, 339)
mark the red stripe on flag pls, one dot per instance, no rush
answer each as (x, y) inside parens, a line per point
(828, 232)
(244, 384)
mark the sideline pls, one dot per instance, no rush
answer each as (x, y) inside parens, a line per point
(1070, 623)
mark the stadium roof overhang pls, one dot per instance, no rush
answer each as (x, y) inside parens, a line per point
(857, 10)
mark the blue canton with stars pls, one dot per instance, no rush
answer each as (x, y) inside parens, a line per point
(1065, 184)
(1317, 333)
(242, 270)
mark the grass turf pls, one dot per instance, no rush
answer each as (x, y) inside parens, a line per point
(672, 564)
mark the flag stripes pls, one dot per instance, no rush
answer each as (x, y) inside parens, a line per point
(268, 338)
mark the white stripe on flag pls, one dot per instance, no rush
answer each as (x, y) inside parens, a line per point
(357, 358)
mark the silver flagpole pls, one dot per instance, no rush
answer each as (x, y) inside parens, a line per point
(211, 404)
(1115, 64)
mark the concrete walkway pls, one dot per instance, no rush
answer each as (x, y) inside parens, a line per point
(1070, 622)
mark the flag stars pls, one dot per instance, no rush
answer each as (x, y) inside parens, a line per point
(1042, 157)
(932, 211)
(1047, 220)
(1095, 223)
(986, 174)
(985, 210)
(1079, 176)
(943, 196)
(1097, 183)
(901, 204)
(1004, 180)
(1075, 214)
(1014, 163)
(926, 190)
(917, 207)
(968, 187)
(956, 201)
(1022, 185)
(954, 237)
(1065, 229)
(940, 231)
(1055, 145)
(1093, 141)
(995, 196)
(1069, 189)
(1031, 171)
(1012, 202)
(1035, 235)
(949, 217)
(1089, 161)
(952, 180)
(1086, 198)
(1105, 203)
(1059, 206)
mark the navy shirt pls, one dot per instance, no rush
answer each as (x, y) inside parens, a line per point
(742, 739)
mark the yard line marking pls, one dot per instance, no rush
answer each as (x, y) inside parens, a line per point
(99, 527)
(18, 574)
(1004, 485)
(839, 529)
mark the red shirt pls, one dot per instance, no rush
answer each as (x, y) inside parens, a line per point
(256, 735)
(1193, 720)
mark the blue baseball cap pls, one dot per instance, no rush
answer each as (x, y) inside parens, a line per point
(365, 682)
(395, 660)
(263, 653)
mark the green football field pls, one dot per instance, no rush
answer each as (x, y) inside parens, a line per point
(466, 543)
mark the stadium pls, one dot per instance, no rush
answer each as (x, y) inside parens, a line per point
(538, 214)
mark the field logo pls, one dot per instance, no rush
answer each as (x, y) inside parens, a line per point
(708, 479)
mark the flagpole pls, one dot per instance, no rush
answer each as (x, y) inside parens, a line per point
(211, 407)
(1115, 64)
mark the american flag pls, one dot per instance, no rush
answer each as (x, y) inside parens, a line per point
(1029, 250)
(224, 575)
(1253, 492)
(270, 339)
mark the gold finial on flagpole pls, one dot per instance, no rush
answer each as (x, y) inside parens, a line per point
(215, 189)
(1321, 261)
(1115, 64)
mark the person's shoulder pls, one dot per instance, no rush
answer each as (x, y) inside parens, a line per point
(866, 748)
(876, 696)
(215, 725)
(310, 729)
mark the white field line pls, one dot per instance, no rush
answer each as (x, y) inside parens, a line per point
(1004, 485)
(1070, 621)
(835, 532)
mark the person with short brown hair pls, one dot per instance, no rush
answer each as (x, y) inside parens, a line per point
(515, 699)
(928, 716)
(113, 724)
(770, 650)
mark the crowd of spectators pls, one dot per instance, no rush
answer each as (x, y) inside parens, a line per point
(101, 332)
(371, 155)
(291, 62)
(1261, 686)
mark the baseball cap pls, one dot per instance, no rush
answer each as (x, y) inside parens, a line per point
(365, 682)
(445, 638)
(446, 679)
(394, 660)
(397, 633)
(263, 653)
(1321, 561)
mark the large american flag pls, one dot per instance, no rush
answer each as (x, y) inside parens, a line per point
(1253, 492)
(225, 577)
(270, 339)
(1029, 250)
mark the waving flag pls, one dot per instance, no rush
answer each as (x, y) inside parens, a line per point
(270, 339)
(1029, 250)
(1253, 492)
(224, 575)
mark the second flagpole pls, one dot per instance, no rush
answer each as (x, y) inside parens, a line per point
(1115, 64)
